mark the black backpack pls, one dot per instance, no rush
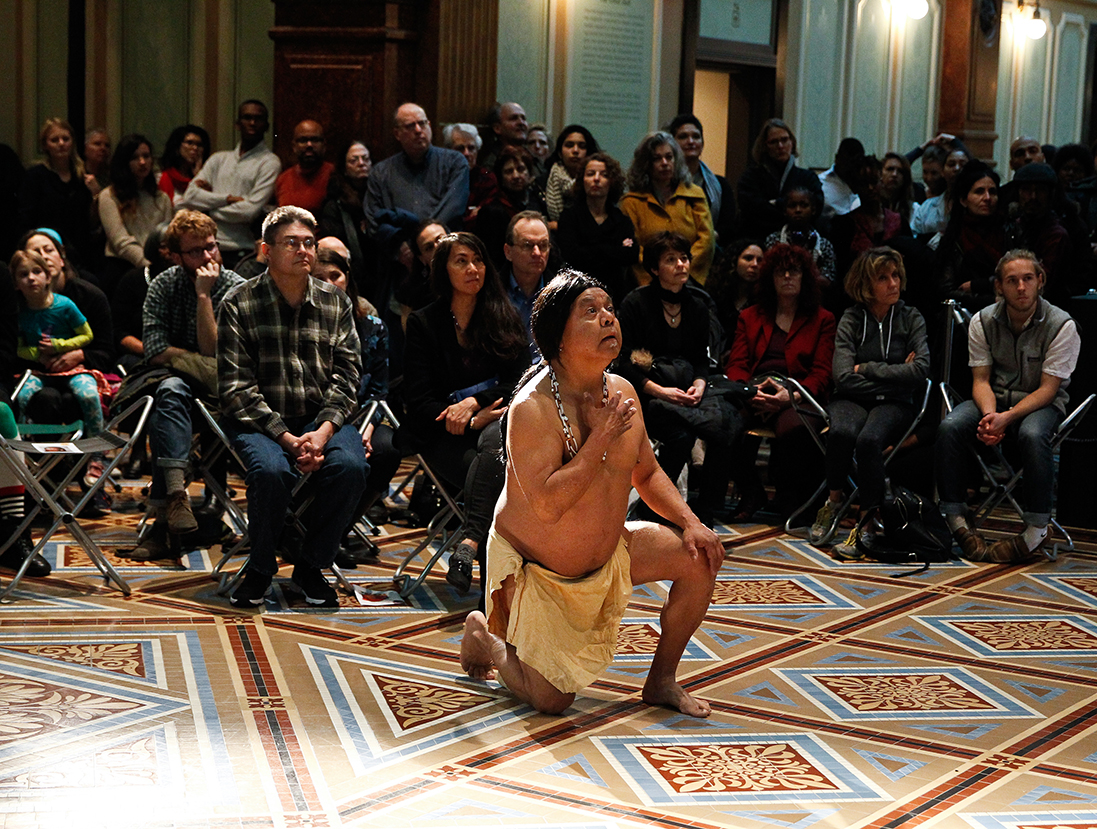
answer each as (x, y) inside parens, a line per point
(914, 531)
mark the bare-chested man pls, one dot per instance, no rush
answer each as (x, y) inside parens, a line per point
(561, 560)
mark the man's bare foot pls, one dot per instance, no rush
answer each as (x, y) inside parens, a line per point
(673, 695)
(476, 658)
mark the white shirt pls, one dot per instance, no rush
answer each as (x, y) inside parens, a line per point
(838, 197)
(251, 175)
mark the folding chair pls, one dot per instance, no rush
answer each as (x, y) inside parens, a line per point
(237, 517)
(818, 410)
(43, 457)
(1000, 490)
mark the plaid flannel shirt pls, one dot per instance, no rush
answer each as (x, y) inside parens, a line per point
(275, 361)
(169, 316)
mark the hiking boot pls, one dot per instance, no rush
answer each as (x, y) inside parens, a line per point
(972, 545)
(311, 582)
(17, 553)
(252, 590)
(181, 519)
(460, 568)
(1014, 549)
(824, 520)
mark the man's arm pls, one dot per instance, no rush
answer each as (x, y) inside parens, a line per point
(551, 487)
(252, 202)
(197, 197)
(455, 198)
(341, 395)
(238, 383)
(659, 492)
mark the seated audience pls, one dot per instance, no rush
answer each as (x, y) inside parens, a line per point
(378, 439)
(509, 128)
(839, 183)
(1073, 162)
(690, 135)
(235, 185)
(897, 186)
(801, 207)
(734, 285)
(464, 354)
(180, 333)
(539, 144)
(868, 225)
(931, 217)
(129, 299)
(664, 355)
(482, 183)
(97, 146)
(881, 361)
(595, 237)
(54, 192)
(130, 209)
(305, 184)
(517, 193)
(426, 181)
(287, 411)
(528, 254)
(186, 151)
(50, 325)
(787, 333)
(1022, 351)
(660, 197)
(343, 217)
(573, 145)
(772, 169)
(974, 240)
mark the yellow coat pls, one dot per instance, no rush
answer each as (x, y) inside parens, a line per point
(685, 212)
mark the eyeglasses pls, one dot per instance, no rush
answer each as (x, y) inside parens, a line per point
(528, 245)
(422, 124)
(211, 249)
(292, 243)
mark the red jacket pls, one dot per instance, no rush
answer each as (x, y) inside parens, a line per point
(809, 348)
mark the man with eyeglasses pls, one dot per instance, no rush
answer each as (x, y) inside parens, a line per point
(527, 249)
(233, 186)
(305, 184)
(427, 181)
(288, 364)
(179, 331)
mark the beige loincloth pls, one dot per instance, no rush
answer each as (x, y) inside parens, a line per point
(564, 628)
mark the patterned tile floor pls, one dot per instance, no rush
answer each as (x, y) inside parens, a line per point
(843, 696)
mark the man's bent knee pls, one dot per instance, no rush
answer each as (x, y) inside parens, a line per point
(549, 700)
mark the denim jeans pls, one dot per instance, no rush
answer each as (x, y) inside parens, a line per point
(170, 431)
(270, 477)
(956, 440)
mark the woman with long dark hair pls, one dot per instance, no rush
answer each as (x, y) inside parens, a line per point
(573, 145)
(185, 152)
(594, 235)
(464, 355)
(131, 208)
(974, 239)
(343, 215)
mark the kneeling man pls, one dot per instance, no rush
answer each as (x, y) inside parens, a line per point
(561, 559)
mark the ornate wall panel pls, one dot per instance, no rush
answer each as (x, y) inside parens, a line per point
(1068, 79)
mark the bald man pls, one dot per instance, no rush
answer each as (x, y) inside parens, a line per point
(1025, 150)
(306, 183)
(427, 181)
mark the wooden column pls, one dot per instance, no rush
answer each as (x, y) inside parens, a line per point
(349, 63)
(969, 73)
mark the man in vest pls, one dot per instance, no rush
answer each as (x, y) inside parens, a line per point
(1022, 351)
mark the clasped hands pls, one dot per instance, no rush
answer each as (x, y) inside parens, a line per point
(468, 414)
(992, 428)
(689, 397)
(307, 450)
(770, 398)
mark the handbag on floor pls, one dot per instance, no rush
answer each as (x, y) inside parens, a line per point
(914, 531)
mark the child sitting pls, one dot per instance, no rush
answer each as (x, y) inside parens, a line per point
(801, 208)
(49, 325)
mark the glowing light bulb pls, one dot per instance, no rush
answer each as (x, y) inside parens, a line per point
(917, 9)
(1036, 28)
